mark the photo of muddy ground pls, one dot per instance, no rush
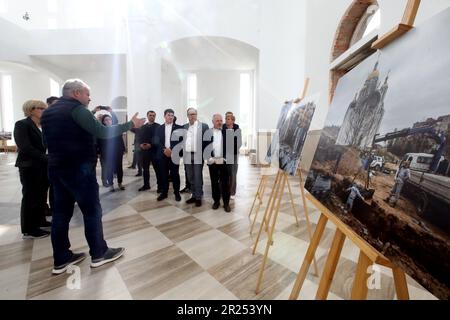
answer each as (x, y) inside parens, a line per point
(419, 248)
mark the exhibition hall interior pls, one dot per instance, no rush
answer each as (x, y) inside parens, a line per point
(224, 150)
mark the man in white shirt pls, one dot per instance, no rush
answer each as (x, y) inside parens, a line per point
(193, 155)
(166, 166)
(218, 168)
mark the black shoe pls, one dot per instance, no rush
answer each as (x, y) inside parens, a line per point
(132, 167)
(158, 191)
(38, 234)
(121, 187)
(177, 197)
(191, 201)
(185, 190)
(138, 174)
(109, 256)
(227, 208)
(76, 258)
(198, 203)
(144, 188)
(106, 185)
(162, 197)
(216, 205)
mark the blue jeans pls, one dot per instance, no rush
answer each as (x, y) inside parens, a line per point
(70, 185)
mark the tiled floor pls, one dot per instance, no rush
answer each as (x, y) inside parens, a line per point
(174, 250)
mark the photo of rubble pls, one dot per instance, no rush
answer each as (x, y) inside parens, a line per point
(382, 164)
(292, 129)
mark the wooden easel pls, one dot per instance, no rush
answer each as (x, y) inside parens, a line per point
(273, 207)
(264, 179)
(368, 254)
(367, 257)
(271, 216)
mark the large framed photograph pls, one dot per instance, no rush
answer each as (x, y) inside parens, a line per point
(292, 129)
(382, 164)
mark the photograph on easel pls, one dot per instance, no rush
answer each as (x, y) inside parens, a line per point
(382, 164)
(292, 130)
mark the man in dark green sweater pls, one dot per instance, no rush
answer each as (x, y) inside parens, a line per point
(69, 130)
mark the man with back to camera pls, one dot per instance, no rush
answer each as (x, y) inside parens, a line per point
(69, 129)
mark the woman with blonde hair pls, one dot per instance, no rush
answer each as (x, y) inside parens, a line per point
(32, 164)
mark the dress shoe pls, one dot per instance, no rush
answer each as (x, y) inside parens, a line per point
(144, 188)
(185, 190)
(132, 167)
(138, 174)
(191, 201)
(121, 187)
(198, 203)
(162, 197)
(216, 205)
(177, 197)
(227, 208)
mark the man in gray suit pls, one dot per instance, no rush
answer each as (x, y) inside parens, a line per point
(193, 155)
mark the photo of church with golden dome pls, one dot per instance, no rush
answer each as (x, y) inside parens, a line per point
(381, 167)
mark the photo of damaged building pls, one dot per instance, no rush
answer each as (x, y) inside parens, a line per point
(382, 166)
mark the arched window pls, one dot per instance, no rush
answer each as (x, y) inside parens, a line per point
(369, 22)
(361, 19)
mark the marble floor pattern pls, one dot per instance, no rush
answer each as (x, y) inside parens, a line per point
(175, 250)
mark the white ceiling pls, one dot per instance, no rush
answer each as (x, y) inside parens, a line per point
(10, 67)
(85, 63)
(211, 53)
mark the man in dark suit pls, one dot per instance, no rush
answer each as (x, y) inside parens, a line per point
(164, 146)
(148, 152)
(218, 168)
(193, 155)
(32, 164)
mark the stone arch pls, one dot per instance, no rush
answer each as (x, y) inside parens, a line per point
(344, 34)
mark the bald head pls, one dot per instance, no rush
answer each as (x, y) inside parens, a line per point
(217, 121)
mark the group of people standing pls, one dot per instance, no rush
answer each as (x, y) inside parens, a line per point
(58, 145)
(156, 144)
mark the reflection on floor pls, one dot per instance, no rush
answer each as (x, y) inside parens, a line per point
(174, 250)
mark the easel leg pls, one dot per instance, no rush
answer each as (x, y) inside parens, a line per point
(309, 257)
(261, 195)
(330, 266)
(401, 285)
(360, 289)
(269, 208)
(272, 229)
(308, 222)
(256, 196)
(292, 203)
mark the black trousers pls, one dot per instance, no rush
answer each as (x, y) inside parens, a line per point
(220, 182)
(168, 169)
(148, 158)
(34, 201)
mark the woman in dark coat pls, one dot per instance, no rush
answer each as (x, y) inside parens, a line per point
(111, 154)
(32, 164)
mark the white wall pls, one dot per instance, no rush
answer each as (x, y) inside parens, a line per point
(28, 86)
(282, 59)
(172, 91)
(105, 86)
(218, 92)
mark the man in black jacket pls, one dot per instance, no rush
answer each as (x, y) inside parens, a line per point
(218, 168)
(164, 145)
(148, 152)
(69, 130)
